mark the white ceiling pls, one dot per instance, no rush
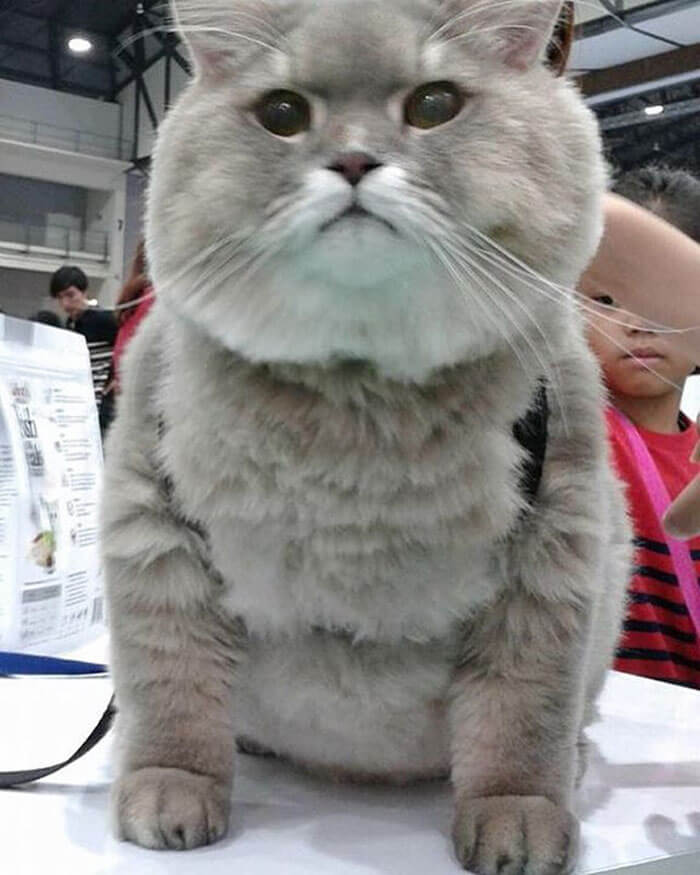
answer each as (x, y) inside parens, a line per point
(586, 10)
(622, 44)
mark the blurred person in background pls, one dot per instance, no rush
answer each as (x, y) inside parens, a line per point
(69, 286)
(47, 317)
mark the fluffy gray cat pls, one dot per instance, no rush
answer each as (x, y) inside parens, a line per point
(362, 222)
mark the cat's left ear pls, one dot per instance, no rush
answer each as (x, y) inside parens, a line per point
(516, 31)
(528, 29)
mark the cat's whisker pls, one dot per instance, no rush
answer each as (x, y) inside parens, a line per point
(196, 12)
(136, 37)
(621, 346)
(598, 309)
(564, 295)
(209, 278)
(200, 273)
(477, 32)
(238, 257)
(265, 243)
(447, 246)
(209, 254)
(550, 368)
(560, 290)
(464, 15)
(561, 295)
(514, 299)
(452, 269)
(223, 31)
(485, 6)
(546, 368)
(204, 292)
(165, 28)
(468, 266)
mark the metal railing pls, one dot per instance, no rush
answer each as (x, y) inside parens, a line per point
(68, 139)
(31, 236)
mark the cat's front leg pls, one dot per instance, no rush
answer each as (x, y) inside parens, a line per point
(173, 662)
(515, 715)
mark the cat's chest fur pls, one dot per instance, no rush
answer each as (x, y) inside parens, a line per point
(341, 501)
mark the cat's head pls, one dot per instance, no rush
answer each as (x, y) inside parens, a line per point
(329, 184)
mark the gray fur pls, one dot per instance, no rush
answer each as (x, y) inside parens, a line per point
(314, 535)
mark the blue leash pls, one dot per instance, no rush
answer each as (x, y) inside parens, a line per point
(19, 664)
(13, 664)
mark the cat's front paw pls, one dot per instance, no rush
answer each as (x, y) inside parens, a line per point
(515, 835)
(170, 809)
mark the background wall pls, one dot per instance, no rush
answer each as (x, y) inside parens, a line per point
(58, 184)
(97, 211)
(23, 292)
(41, 105)
(155, 82)
(136, 186)
(35, 199)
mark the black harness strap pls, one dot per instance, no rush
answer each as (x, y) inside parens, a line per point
(26, 776)
(19, 664)
(531, 433)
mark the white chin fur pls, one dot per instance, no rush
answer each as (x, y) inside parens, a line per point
(410, 324)
(357, 290)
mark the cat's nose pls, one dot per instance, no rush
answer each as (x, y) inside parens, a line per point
(354, 166)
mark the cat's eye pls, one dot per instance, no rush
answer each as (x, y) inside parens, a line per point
(433, 104)
(284, 113)
(605, 300)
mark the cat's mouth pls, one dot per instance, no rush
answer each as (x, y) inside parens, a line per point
(355, 213)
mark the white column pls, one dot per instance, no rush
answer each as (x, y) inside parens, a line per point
(117, 211)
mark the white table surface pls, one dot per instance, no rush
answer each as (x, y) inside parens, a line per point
(640, 802)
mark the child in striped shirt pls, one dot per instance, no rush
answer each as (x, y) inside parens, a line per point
(652, 444)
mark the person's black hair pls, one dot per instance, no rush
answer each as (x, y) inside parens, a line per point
(47, 317)
(65, 277)
(672, 194)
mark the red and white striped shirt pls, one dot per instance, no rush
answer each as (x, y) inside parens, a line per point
(659, 639)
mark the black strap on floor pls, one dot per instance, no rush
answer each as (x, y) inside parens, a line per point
(15, 665)
(26, 776)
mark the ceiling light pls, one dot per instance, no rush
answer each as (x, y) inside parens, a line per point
(79, 45)
(656, 109)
